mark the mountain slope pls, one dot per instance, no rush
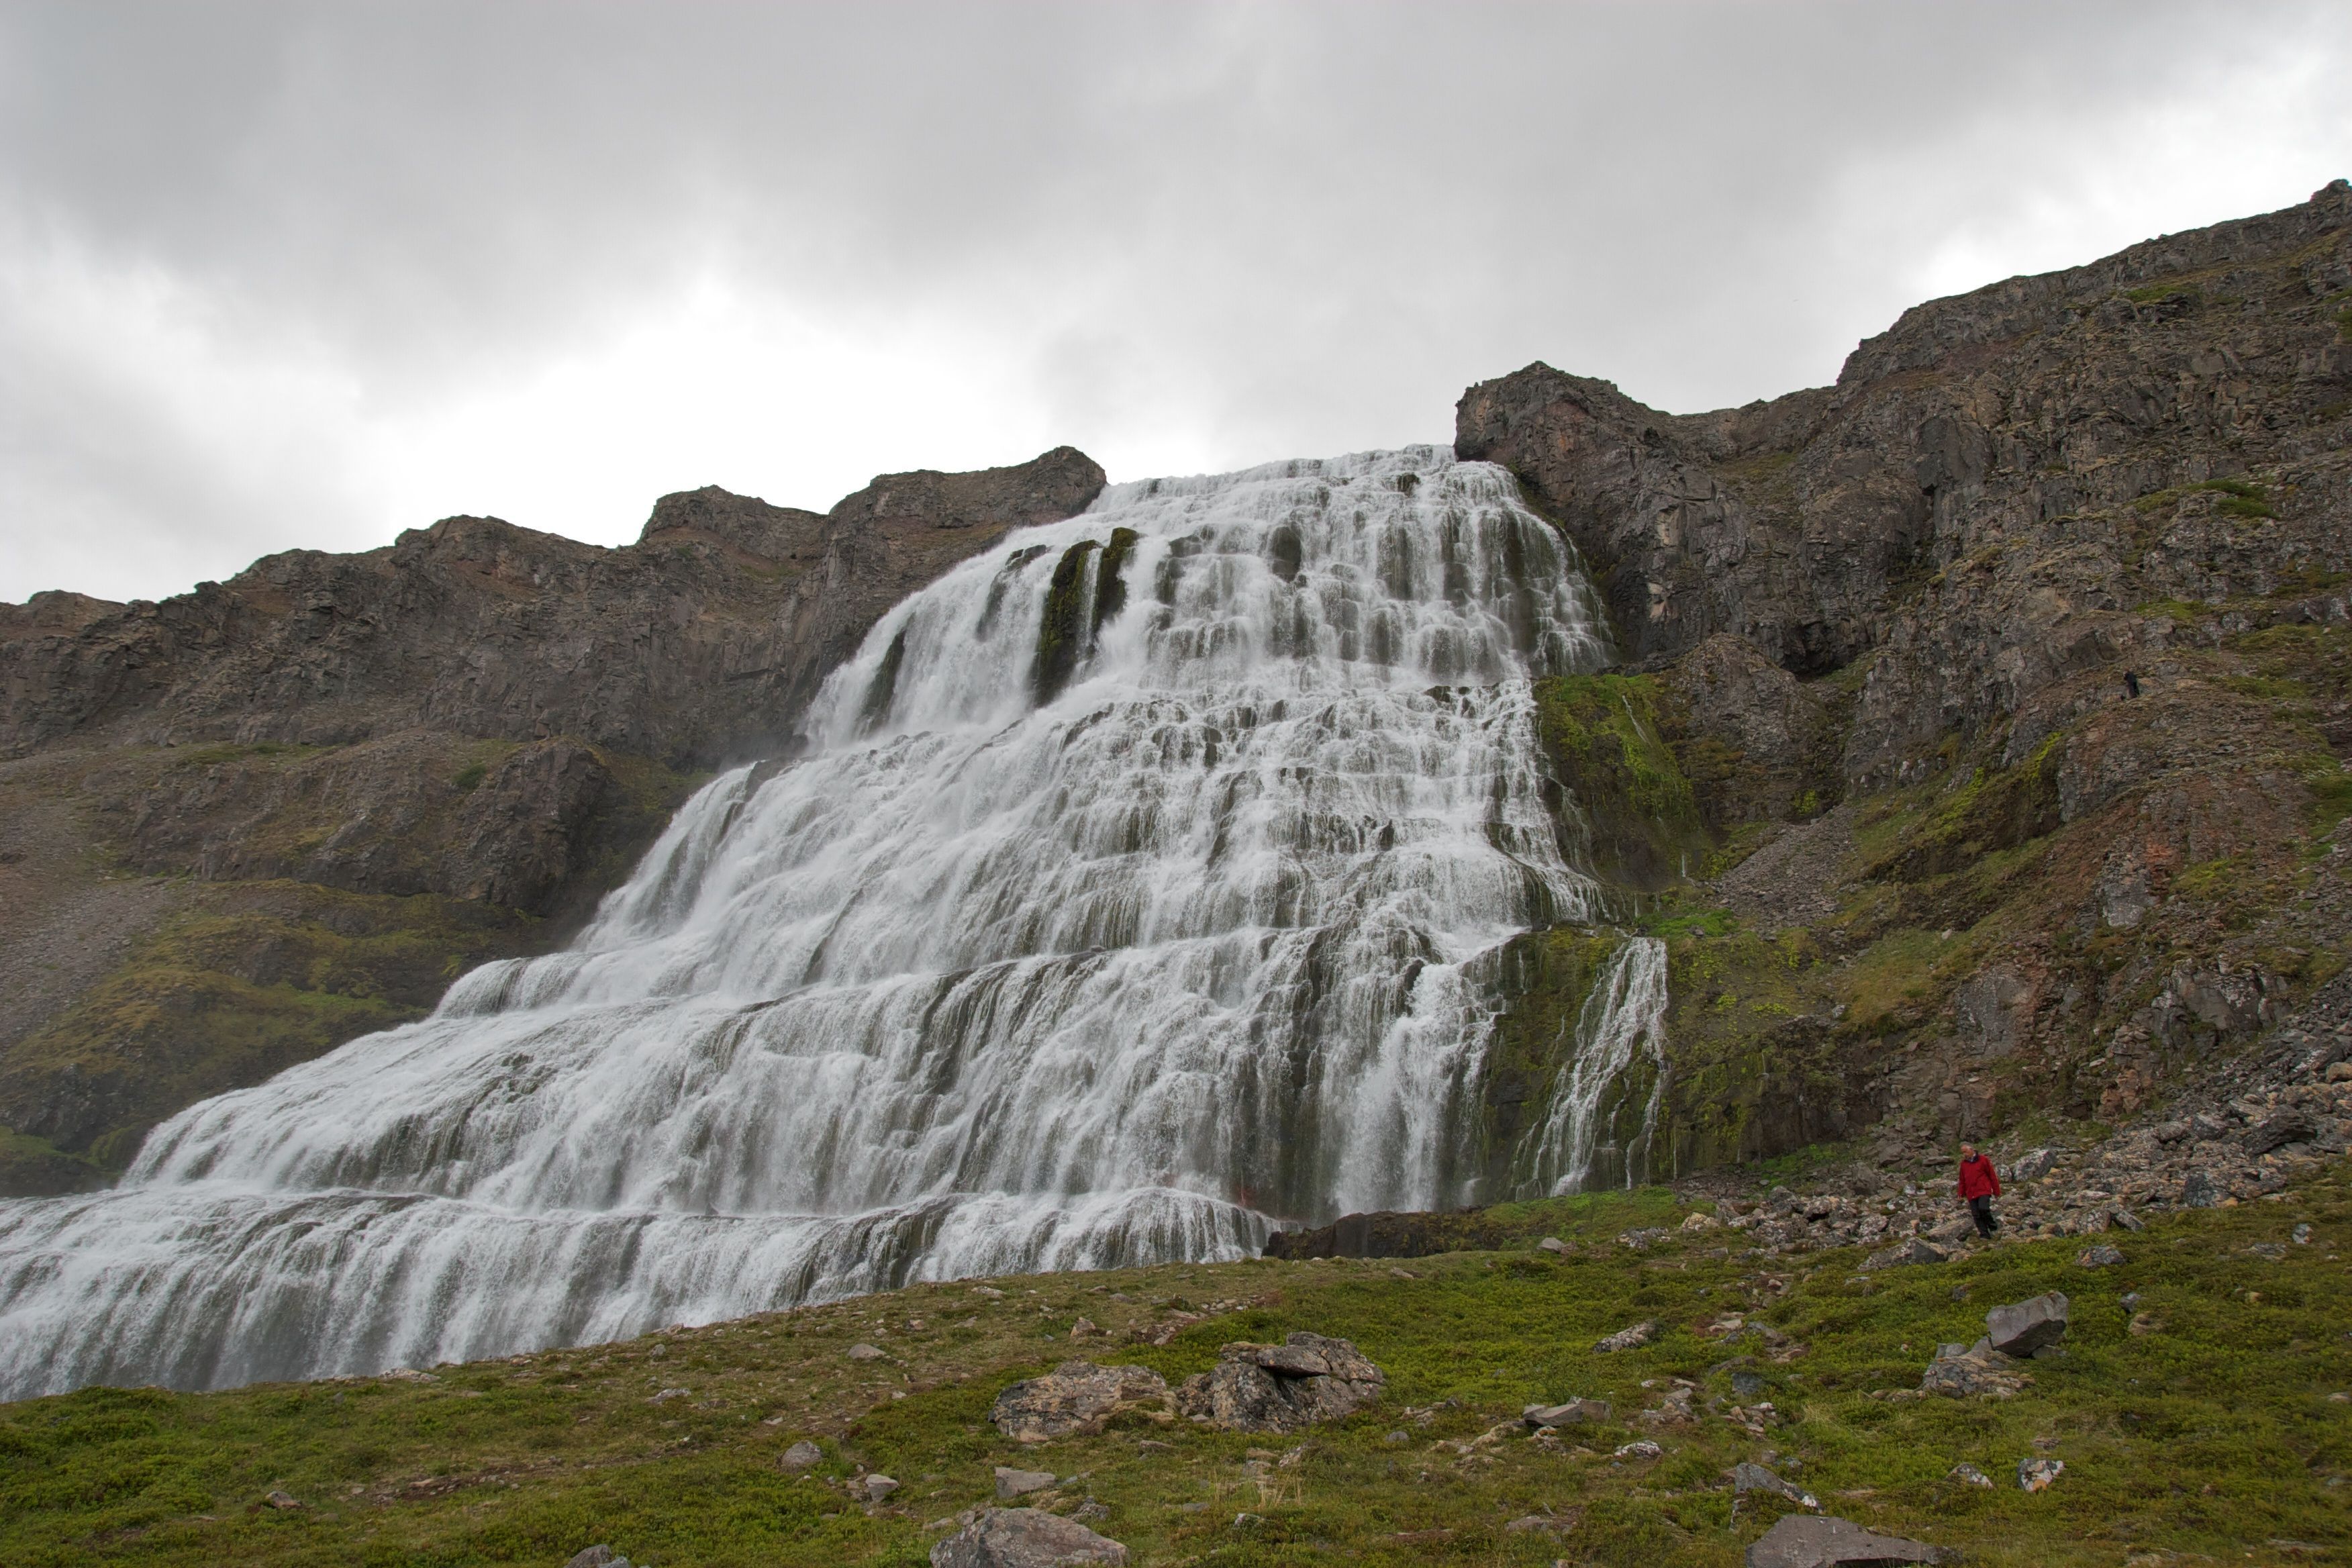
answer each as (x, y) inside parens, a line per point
(248, 824)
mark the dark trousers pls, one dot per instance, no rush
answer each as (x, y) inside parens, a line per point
(1981, 1210)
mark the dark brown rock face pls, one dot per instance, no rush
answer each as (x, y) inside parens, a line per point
(700, 642)
(1947, 507)
(1999, 700)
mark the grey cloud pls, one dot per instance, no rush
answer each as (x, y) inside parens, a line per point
(1292, 228)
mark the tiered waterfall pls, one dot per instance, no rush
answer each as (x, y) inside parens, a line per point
(1127, 898)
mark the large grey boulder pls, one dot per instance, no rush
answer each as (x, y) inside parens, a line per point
(1800, 1541)
(1025, 1538)
(2024, 1327)
(1280, 1388)
(1078, 1398)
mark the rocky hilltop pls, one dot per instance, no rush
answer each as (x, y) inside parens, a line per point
(248, 822)
(1982, 738)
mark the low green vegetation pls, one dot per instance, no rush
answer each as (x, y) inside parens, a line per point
(35, 1167)
(2195, 1422)
(266, 976)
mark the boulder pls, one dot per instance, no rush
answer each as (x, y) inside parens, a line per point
(872, 1488)
(1574, 1412)
(2035, 1474)
(1747, 1478)
(1911, 1250)
(1965, 1371)
(2024, 1327)
(1023, 1538)
(2278, 1131)
(1280, 1388)
(1640, 1334)
(1555, 1245)
(802, 1455)
(1969, 1475)
(2099, 1256)
(1078, 1398)
(2198, 1190)
(2033, 1165)
(1012, 1483)
(597, 1556)
(1801, 1542)
(867, 1352)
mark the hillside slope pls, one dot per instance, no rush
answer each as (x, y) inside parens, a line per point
(243, 825)
(2199, 1409)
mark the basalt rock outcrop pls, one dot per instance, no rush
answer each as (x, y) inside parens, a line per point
(243, 825)
(1980, 715)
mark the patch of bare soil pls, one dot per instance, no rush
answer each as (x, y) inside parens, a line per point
(1792, 879)
(65, 918)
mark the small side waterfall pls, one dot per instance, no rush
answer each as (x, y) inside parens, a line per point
(1604, 1109)
(1127, 900)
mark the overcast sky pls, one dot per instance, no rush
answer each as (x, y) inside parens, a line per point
(306, 275)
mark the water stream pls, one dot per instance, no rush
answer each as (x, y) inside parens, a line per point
(1116, 945)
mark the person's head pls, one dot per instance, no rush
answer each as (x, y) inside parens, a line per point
(1968, 1151)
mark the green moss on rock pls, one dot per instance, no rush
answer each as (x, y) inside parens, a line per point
(884, 689)
(1063, 628)
(1606, 738)
(1544, 977)
(1110, 577)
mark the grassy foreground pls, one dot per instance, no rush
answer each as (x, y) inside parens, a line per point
(2205, 1432)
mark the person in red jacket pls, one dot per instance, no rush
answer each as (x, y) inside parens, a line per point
(1979, 1185)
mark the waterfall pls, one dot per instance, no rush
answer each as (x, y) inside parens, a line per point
(1124, 902)
(1594, 1125)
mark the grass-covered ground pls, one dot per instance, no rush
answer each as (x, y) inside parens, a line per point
(2210, 1434)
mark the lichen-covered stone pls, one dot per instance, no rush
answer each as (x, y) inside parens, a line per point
(1076, 1398)
(1025, 1538)
(1306, 1378)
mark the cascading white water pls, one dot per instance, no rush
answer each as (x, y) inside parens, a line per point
(1623, 1022)
(1094, 948)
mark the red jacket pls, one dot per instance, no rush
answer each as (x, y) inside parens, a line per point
(1979, 1179)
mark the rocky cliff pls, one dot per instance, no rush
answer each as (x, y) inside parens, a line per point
(246, 824)
(1981, 742)
(1979, 750)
